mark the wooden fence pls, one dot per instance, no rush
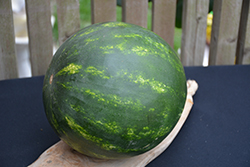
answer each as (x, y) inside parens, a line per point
(230, 30)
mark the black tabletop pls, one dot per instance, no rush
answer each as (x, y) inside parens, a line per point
(216, 133)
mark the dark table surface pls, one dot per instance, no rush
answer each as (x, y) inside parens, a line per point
(216, 133)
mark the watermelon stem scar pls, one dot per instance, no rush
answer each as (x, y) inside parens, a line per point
(51, 79)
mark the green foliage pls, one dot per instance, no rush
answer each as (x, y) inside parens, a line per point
(85, 13)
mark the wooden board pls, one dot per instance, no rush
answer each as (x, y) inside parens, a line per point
(8, 64)
(103, 10)
(163, 19)
(40, 35)
(68, 18)
(246, 56)
(194, 19)
(135, 12)
(62, 155)
(226, 18)
(242, 32)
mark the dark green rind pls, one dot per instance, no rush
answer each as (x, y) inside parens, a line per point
(114, 90)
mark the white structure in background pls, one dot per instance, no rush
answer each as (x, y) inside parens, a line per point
(205, 58)
(21, 38)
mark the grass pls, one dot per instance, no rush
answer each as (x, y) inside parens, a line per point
(85, 20)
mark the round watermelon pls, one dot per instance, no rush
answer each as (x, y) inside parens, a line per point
(114, 90)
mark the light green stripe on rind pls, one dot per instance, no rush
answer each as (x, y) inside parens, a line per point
(53, 120)
(127, 36)
(114, 100)
(70, 69)
(139, 78)
(89, 31)
(155, 85)
(110, 127)
(95, 72)
(77, 108)
(106, 145)
(79, 129)
(99, 141)
(113, 128)
(145, 51)
(66, 85)
(116, 24)
(164, 53)
(84, 31)
(88, 40)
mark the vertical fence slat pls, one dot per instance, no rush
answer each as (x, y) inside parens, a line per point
(163, 19)
(103, 10)
(40, 35)
(135, 12)
(246, 56)
(194, 20)
(8, 64)
(242, 32)
(226, 17)
(68, 17)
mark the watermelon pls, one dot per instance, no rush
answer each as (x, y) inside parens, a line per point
(114, 90)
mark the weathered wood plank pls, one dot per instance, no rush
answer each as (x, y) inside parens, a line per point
(246, 56)
(226, 17)
(242, 32)
(103, 10)
(40, 35)
(8, 64)
(163, 19)
(135, 12)
(194, 19)
(68, 17)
